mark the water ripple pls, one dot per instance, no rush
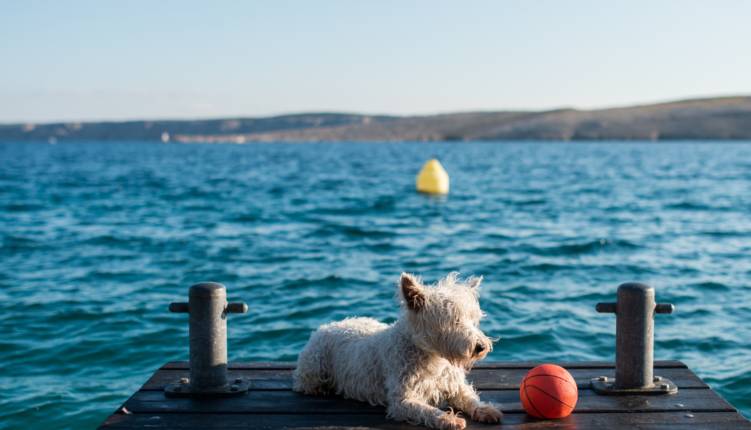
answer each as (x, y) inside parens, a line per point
(97, 239)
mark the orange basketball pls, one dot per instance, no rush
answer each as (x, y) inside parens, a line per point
(549, 392)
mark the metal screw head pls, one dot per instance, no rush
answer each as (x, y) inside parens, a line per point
(603, 378)
(665, 386)
(688, 416)
(658, 378)
(177, 388)
(185, 381)
(234, 388)
(239, 380)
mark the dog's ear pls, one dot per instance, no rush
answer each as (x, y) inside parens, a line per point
(473, 282)
(412, 291)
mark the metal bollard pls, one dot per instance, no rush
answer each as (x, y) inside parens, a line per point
(207, 309)
(634, 343)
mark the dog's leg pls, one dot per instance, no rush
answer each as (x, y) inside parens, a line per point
(310, 375)
(468, 401)
(416, 411)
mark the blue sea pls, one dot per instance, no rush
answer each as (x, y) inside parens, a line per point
(96, 239)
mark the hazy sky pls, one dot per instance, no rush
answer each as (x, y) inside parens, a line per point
(73, 61)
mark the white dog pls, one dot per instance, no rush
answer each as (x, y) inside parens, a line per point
(413, 366)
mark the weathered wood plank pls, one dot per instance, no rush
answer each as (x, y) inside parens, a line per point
(284, 365)
(266, 380)
(503, 379)
(483, 379)
(658, 364)
(615, 421)
(270, 402)
(238, 365)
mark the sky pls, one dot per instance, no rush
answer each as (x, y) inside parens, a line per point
(110, 60)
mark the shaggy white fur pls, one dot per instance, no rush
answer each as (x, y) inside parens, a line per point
(413, 366)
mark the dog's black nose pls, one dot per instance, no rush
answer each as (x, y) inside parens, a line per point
(479, 348)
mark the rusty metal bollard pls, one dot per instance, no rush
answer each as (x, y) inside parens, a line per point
(634, 343)
(207, 310)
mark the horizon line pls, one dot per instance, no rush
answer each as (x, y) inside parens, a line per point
(303, 113)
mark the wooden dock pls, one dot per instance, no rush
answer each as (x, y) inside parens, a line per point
(271, 403)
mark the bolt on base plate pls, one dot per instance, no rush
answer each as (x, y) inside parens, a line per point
(609, 387)
(186, 390)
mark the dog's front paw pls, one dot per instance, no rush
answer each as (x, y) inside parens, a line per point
(488, 414)
(451, 421)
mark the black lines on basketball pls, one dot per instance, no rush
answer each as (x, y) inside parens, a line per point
(549, 392)
(552, 397)
(530, 401)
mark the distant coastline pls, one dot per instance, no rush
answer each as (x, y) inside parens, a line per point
(727, 118)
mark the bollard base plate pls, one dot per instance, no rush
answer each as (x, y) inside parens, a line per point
(187, 390)
(610, 388)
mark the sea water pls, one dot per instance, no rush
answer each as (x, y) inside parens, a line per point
(96, 239)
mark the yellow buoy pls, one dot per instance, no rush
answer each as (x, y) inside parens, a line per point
(433, 179)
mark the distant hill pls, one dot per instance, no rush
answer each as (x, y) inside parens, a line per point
(716, 118)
